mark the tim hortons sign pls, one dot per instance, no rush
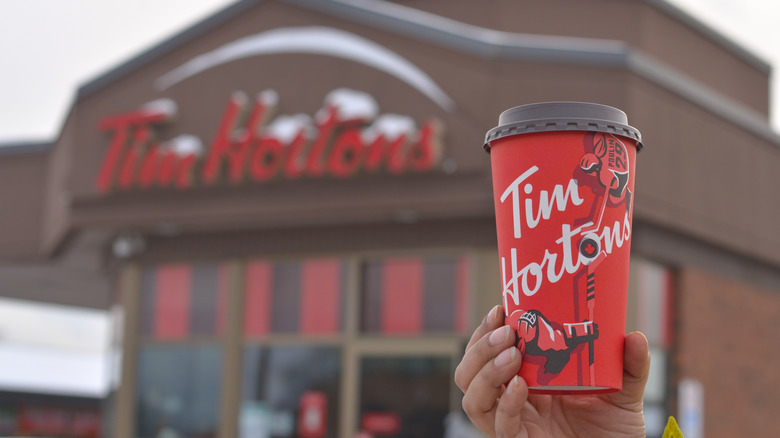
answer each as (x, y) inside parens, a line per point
(346, 136)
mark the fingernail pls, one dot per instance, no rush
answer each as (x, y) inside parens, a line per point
(506, 357)
(493, 315)
(499, 335)
(510, 388)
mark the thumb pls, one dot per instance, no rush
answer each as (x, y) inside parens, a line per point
(636, 369)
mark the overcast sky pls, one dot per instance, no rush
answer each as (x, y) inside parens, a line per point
(49, 47)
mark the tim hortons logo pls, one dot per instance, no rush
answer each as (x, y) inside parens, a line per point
(344, 137)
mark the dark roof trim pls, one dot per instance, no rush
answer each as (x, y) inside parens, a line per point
(475, 40)
(417, 19)
(492, 44)
(705, 97)
(23, 147)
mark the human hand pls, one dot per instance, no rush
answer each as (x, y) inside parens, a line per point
(508, 410)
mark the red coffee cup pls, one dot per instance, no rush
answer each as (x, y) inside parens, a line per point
(563, 184)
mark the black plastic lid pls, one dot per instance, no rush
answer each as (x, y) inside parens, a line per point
(562, 116)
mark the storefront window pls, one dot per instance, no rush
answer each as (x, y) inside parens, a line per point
(304, 297)
(178, 391)
(404, 397)
(290, 391)
(413, 295)
(180, 301)
(652, 311)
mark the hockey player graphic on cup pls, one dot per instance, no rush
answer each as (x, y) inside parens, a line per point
(537, 336)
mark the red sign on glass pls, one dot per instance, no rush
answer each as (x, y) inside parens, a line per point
(346, 136)
(381, 423)
(312, 414)
(58, 421)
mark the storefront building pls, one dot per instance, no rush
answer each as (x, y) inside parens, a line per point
(290, 208)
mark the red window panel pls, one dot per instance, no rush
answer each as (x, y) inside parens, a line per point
(321, 288)
(402, 296)
(257, 311)
(172, 302)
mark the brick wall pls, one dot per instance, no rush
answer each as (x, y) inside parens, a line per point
(728, 338)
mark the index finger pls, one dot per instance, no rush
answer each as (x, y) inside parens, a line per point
(493, 320)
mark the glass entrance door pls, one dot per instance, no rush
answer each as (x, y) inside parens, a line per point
(404, 396)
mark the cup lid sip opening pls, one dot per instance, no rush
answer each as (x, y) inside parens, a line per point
(562, 116)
